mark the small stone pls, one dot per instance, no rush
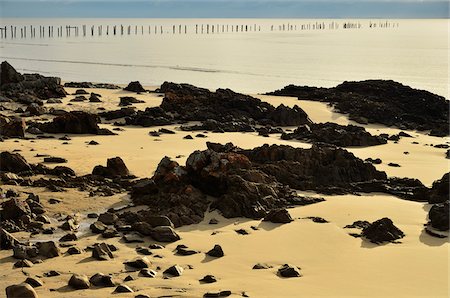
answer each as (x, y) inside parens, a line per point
(148, 273)
(68, 237)
(216, 252)
(123, 289)
(23, 263)
(140, 262)
(260, 266)
(74, 250)
(174, 270)
(52, 273)
(208, 279)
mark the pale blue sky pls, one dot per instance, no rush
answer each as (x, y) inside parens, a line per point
(227, 8)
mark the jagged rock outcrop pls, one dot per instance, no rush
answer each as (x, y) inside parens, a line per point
(222, 110)
(76, 122)
(382, 230)
(12, 126)
(335, 134)
(379, 101)
(115, 167)
(13, 162)
(28, 88)
(134, 86)
(440, 190)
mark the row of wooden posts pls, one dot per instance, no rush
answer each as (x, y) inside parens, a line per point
(99, 30)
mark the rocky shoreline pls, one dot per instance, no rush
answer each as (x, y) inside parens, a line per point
(262, 184)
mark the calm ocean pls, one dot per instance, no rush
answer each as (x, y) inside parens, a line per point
(413, 52)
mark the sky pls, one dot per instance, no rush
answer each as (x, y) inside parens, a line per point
(226, 8)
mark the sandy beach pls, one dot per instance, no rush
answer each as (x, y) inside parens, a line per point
(333, 263)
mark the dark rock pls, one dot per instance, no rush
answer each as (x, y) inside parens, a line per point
(175, 270)
(13, 162)
(35, 282)
(216, 252)
(74, 250)
(375, 161)
(23, 264)
(439, 216)
(133, 238)
(260, 266)
(156, 221)
(52, 273)
(134, 87)
(12, 126)
(393, 164)
(94, 98)
(14, 209)
(385, 102)
(116, 114)
(7, 240)
(22, 290)
(440, 190)
(188, 137)
(28, 88)
(208, 279)
(382, 230)
(317, 219)
(110, 233)
(69, 225)
(289, 271)
(93, 143)
(102, 252)
(335, 134)
(76, 122)
(128, 100)
(148, 273)
(140, 262)
(91, 85)
(164, 234)
(54, 159)
(81, 91)
(102, 280)
(108, 218)
(182, 250)
(115, 167)
(79, 282)
(123, 289)
(144, 251)
(359, 224)
(278, 216)
(68, 237)
(48, 249)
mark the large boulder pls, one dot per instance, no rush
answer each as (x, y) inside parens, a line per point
(8, 74)
(439, 216)
(48, 249)
(381, 101)
(12, 127)
(22, 290)
(440, 190)
(278, 216)
(79, 282)
(134, 86)
(13, 162)
(382, 230)
(76, 122)
(14, 209)
(115, 167)
(28, 88)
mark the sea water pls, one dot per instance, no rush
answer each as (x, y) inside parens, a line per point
(258, 59)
